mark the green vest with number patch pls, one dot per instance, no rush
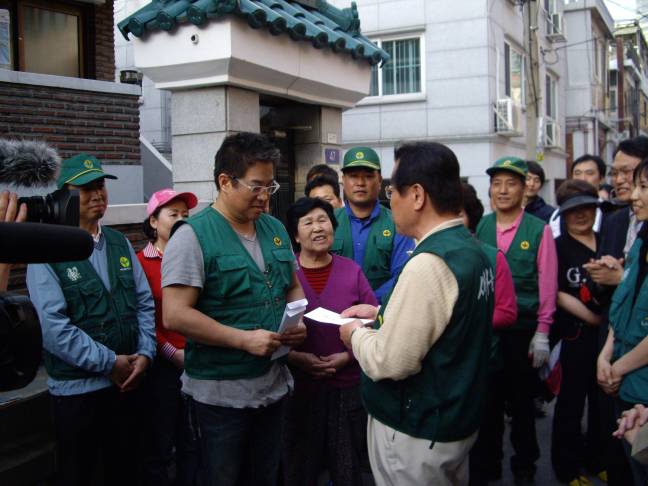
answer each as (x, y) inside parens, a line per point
(442, 402)
(376, 265)
(108, 317)
(237, 294)
(522, 257)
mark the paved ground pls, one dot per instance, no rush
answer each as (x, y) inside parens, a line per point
(544, 476)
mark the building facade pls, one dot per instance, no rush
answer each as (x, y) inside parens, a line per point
(591, 126)
(628, 80)
(462, 74)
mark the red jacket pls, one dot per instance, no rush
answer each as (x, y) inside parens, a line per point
(167, 341)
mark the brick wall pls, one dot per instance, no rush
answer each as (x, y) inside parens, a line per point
(104, 41)
(103, 124)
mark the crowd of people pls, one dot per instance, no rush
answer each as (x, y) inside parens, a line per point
(162, 364)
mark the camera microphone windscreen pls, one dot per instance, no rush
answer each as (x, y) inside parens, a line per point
(28, 163)
(43, 243)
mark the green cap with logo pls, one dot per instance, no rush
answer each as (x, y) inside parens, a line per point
(80, 170)
(510, 164)
(361, 157)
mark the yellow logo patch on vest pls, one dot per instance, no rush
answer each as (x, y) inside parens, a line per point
(524, 245)
(380, 320)
(88, 164)
(277, 241)
(360, 155)
(386, 233)
(124, 262)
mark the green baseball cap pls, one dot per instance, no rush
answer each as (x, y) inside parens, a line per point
(361, 157)
(510, 164)
(80, 170)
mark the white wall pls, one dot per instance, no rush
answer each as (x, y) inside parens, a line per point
(154, 115)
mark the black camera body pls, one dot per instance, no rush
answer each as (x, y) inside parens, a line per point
(58, 207)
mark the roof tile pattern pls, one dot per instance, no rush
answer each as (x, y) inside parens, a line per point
(325, 26)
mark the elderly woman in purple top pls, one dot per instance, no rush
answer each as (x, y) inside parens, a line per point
(326, 422)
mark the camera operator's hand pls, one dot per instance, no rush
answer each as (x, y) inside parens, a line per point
(122, 369)
(140, 364)
(9, 213)
(9, 210)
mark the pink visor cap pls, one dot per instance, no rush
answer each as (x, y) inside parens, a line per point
(164, 196)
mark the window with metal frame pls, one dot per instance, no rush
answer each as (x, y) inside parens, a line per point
(43, 37)
(402, 74)
(514, 74)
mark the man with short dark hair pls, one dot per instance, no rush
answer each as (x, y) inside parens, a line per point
(325, 188)
(227, 274)
(366, 231)
(534, 203)
(589, 168)
(531, 254)
(426, 362)
(619, 229)
(97, 317)
(321, 170)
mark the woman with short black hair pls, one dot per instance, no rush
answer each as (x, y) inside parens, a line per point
(325, 423)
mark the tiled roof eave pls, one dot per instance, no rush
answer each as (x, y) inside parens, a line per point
(325, 27)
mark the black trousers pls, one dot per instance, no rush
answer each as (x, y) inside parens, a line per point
(169, 438)
(487, 453)
(517, 384)
(570, 450)
(97, 437)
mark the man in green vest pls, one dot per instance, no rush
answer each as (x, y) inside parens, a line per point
(97, 317)
(366, 231)
(530, 252)
(425, 363)
(227, 274)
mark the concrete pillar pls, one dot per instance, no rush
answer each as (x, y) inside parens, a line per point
(312, 146)
(200, 119)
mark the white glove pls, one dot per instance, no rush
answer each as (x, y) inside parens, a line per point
(539, 349)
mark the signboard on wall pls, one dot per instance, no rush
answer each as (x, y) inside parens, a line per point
(332, 156)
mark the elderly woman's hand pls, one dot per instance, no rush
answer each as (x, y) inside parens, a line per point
(337, 360)
(311, 364)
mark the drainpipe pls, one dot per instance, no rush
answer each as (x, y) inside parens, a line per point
(620, 54)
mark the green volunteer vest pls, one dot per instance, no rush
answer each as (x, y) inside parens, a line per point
(377, 258)
(108, 317)
(237, 294)
(630, 324)
(496, 360)
(442, 402)
(522, 258)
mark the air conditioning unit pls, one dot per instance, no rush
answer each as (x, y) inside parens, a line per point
(555, 28)
(552, 134)
(507, 117)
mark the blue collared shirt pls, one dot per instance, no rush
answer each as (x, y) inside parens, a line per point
(71, 344)
(360, 229)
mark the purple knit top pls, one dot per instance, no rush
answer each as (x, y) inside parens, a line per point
(346, 286)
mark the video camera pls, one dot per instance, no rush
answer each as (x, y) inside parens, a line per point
(51, 235)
